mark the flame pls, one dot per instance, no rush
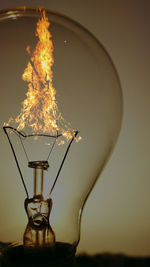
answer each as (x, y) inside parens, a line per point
(39, 109)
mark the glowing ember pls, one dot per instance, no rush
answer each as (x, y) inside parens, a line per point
(39, 109)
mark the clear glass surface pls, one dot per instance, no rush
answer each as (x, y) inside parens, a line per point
(89, 96)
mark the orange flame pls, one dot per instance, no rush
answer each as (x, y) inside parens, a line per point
(39, 109)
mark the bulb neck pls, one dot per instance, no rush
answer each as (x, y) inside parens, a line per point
(38, 233)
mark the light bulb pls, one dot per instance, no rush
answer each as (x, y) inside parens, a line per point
(57, 174)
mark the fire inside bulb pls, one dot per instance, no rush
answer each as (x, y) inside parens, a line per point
(39, 109)
(90, 98)
(40, 113)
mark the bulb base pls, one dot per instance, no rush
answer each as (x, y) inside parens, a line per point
(64, 256)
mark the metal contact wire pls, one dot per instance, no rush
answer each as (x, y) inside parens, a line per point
(51, 149)
(4, 128)
(24, 149)
(23, 135)
(30, 135)
(62, 163)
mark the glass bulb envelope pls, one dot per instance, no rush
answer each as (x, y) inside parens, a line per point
(89, 97)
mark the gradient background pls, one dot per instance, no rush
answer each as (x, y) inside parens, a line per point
(117, 214)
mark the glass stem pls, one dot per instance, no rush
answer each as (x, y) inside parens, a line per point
(38, 181)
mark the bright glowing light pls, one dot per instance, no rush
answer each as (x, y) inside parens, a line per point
(39, 109)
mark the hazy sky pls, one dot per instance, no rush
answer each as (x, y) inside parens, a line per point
(117, 214)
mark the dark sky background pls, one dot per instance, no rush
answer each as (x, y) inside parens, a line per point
(117, 214)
